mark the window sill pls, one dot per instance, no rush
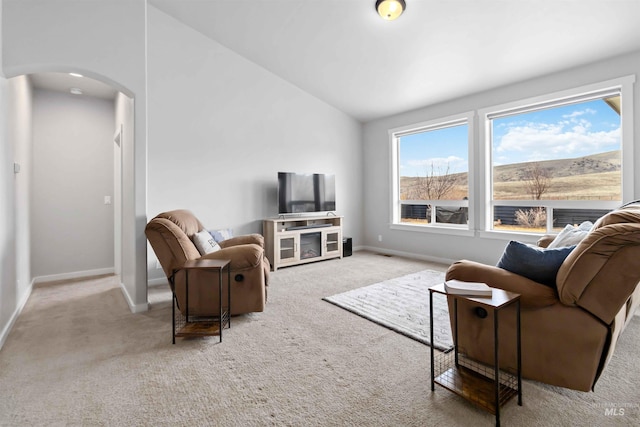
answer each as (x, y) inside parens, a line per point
(510, 235)
(436, 229)
(455, 231)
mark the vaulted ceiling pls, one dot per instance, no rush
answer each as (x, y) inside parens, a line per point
(342, 52)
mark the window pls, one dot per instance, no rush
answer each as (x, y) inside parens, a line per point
(555, 162)
(431, 174)
(530, 166)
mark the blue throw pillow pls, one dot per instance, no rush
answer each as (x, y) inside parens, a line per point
(220, 235)
(538, 264)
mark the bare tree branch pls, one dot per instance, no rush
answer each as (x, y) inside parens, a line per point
(433, 186)
(537, 180)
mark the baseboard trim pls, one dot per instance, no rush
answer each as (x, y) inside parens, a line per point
(407, 254)
(135, 308)
(16, 313)
(74, 275)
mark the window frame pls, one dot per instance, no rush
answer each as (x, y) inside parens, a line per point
(623, 85)
(466, 118)
(480, 181)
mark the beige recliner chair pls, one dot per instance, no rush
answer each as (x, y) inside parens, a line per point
(569, 332)
(170, 235)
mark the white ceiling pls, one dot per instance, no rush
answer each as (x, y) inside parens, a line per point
(64, 82)
(342, 52)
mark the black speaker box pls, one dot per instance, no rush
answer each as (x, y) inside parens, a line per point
(347, 246)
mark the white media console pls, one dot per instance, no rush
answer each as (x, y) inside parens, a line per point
(298, 240)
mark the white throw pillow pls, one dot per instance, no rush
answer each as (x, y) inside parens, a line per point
(571, 235)
(205, 242)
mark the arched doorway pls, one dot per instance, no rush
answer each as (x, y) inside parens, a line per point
(127, 251)
(73, 175)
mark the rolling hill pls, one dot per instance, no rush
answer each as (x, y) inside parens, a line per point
(582, 178)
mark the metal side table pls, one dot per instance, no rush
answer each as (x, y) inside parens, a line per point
(192, 325)
(488, 387)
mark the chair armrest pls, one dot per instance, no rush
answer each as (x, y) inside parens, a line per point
(545, 240)
(256, 239)
(533, 294)
(242, 257)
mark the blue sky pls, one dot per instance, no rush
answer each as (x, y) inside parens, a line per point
(564, 132)
(443, 148)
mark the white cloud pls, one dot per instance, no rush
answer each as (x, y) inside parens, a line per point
(440, 164)
(555, 140)
(579, 113)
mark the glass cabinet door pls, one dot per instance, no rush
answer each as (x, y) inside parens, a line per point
(332, 242)
(287, 248)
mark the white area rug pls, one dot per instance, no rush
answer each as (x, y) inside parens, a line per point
(402, 305)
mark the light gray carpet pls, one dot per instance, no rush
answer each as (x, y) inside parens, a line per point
(78, 357)
(402, 305)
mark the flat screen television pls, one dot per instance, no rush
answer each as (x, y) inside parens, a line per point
(306, 193)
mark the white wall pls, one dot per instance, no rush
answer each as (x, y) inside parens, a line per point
(105, 40)
(440, 246)
(221, 127)
(20, 120)
(72, 172)
(15, 146)
(7, 262)
(124, 200)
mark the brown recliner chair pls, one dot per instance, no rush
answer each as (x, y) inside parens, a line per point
(569, 333)
(170, 235)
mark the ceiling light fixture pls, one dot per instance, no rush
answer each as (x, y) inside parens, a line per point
(390, 9)
(76, 91)
(75, 74)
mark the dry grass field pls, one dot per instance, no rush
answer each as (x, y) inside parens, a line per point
(594, 177)
(592, 186)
